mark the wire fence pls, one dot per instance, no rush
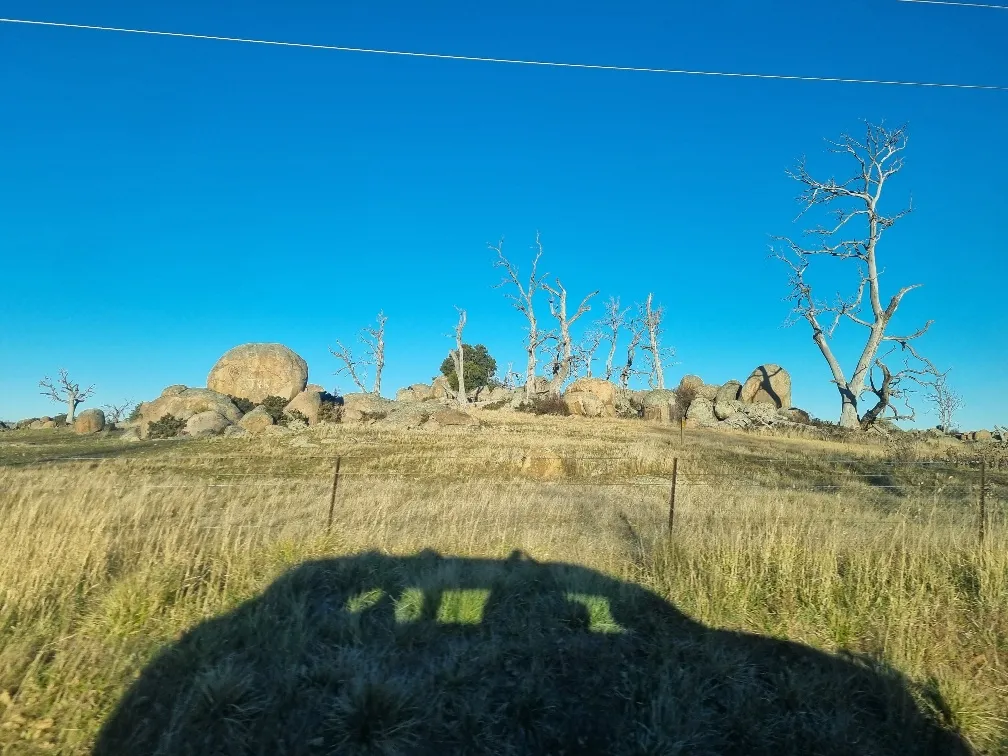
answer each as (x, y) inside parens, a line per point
(969, 494)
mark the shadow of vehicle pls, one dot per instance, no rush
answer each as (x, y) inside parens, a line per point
(428, 654)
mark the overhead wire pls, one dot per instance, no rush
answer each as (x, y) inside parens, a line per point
(509, 61)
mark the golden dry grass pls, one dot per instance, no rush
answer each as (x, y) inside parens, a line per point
(106, 561)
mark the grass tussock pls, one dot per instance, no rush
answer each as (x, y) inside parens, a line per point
(823, 602)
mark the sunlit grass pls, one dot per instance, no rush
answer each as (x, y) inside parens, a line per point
(105, 562)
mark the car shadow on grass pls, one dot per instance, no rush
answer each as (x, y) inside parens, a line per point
(430, 654)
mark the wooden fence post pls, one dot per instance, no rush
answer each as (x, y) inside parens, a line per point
(332, 495)
(682, 424)
(671, 501)
(983, 500)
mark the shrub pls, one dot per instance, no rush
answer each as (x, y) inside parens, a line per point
(330, 412)
(545, 405)
(134, 414)
(244, 405)
(684, 396)
(274, 405)
(293, 415)
(168, 426)
(500, 404)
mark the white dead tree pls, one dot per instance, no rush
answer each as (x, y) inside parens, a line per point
(584, 351)
(651, 319)
(636, 329)
(523, 301)
(610, 325)
(846, 204)
(945, 401)
(65, 391)
(116, 413)
(458, 358)
(373, 339)
(565, 350)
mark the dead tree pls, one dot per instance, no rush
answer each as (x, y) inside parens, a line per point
(458, 358)
(65, 391)
(917, 372)
(373, 339)
(651, 318)
(945, 400)
(614, 320)
(116, 413)
(846, 204)
(523, 301)
(565, 350)
(636, 329)
(584, 351)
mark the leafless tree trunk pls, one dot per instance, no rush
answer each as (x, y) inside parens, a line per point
(523, 302)
(565, 350)
(652, 318)
(614, 320)
(857, 199)
(65, 391)
(373, 339)
(636, 329)
(458, 358)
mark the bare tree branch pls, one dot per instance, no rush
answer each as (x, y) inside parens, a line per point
(636, 328)
(877, 157)
(65, 391)
(558, 309)
(373, 339)
(651, 318)
(614, 320)
(523, 300)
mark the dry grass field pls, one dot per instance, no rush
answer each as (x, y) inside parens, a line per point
(504, 589)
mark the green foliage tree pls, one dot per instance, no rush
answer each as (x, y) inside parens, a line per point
(479, 367)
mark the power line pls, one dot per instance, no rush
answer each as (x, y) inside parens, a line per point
(511, 61)
(950, 2)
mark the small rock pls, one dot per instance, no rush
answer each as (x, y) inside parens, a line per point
(233, 431)
(308, 403)
(174, 390)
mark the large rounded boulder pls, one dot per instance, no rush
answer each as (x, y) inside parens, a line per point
(89, 421)
(184, 405)
(767, 384)
(255, 371)
(591, 397)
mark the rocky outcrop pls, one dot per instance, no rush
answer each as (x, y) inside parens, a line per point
(184, 405)
(363, 407)
(174, 390)
(441, 390)
(591, 397)
(701, 413)
(255, 371)
(767, 384)
(418, 392)
(257, 420)
(690, 383)
(726, 401)
(89, 421)
(308, 403)
(659, 405)
(206, 423)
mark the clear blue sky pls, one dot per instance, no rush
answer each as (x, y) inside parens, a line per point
(162, 200)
